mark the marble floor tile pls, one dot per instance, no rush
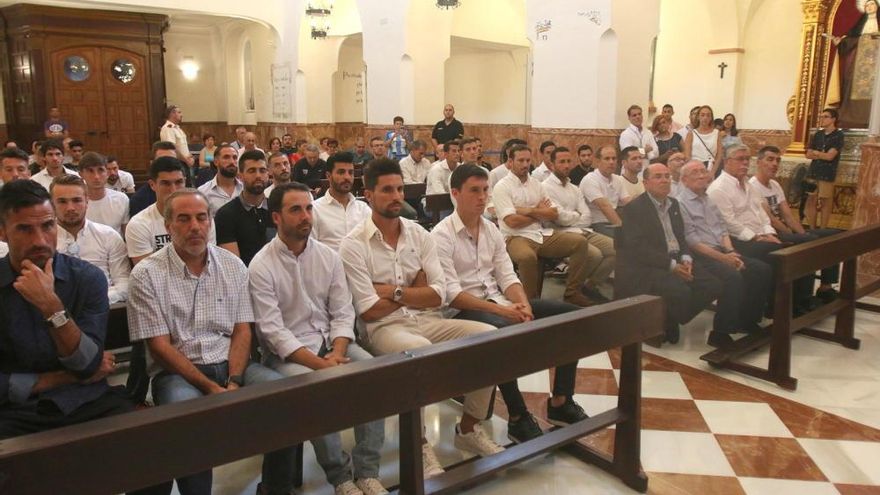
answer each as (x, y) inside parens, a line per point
(672, 415)
(742, 418)
(764, 486)
(845, 461)
(687, 484)
(599, 361)
(683, 452)
(536, 382)
(808, 422)
(595, 404)
(768, 457)
(701, 386)
(846, 489)
(596, 381)
(662, 385)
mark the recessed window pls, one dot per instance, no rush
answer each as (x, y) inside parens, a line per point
(76, 68)
(123, 70)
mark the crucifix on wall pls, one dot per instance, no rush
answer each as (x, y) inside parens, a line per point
(722, 66)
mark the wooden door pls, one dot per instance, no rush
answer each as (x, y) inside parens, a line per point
(79, 93)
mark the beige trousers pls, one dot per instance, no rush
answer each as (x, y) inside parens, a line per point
(600, 257)
(527, 255)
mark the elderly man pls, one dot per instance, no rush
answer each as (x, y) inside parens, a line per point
(203, 348)
(415, 166)
(310, 169)
(746, 282)
(653, 256)
(172, 132)
(305, 321)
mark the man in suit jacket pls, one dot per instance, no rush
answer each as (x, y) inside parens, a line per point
(653, 256)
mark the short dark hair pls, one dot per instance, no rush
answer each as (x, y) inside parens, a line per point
(545, 145)
(165, 164)
(68, 180)
(398, 119)
(75, 142)
(331, 142)
(376, 138)
(464, 172)
(219, 150)
(169, 110)
(448, 144)
(276, 155)
(253, 155)
(668, 106)
(834, 114)
(560, 149)
(467, 140)
(206, 136)
(584, 147)
(92, 159)
(631, 108)
(51, 144)
(511, 151)
(624, 153)
(377, 168)
(340, 157)
(506, 146)
(111, 158)
(17, 153)
(20, 194)
(162, 145)
(276, 197)
(418, 144)
(767, 149)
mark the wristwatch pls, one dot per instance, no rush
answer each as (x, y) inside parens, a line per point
(58, 319)
(236, 379)
(398, 293)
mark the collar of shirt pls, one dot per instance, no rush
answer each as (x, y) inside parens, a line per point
(214, 185)
(248, 207)
(328, 198)
(730, 180)
(552, 179)
(177, 263)
(60, 268)
(286, 253)
(661, 207)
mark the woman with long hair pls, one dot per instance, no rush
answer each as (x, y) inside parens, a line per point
(704, 142)
(729, 133)
(666, 139)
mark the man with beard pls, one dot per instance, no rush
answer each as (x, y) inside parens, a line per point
(279, 167)
(584, 166)
(338, 212)
(361, 155)
(106, 206)
(287, 146)
(87, 240)
(310, 169)
(244, 225)
(118, 179)
(13, 166)
(305, 321)
(225, 186)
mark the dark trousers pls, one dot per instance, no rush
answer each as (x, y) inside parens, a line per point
(563, 382)
(685, 300)
(802, 287)
(744, 293)
(830, 275)
(34, 417)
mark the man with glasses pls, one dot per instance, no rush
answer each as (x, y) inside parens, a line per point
(824, 151)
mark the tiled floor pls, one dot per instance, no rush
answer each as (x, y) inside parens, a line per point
(704, 432)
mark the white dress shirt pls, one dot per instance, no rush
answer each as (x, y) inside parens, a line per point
(125, 182)
(101, 246)
(368, 259)
(438, 178)
(511, 193)
(332, 221)
(299, 301)
(414, 173)
(111, 210)
(541, 173)
(44, 179)
(595, 186)
(574, 214)
(481, 267)
(217, 196)
(740, 206)
(173, 133)
(146, 233)
(497, 174)
(633, 136)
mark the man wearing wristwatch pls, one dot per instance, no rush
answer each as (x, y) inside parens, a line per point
(186, 304)
(52, 324)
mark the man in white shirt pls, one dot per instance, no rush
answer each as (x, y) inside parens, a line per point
(250, 143)
(631, 164)
(172, 132)
(82, 238)
(338, 212)
(415, 166)
(118, 179)
(636, 135)
(146, 232)
(438, 176)
(238, 144)
(482, 286)
(398, 286)
(305, 322)
(543, 171)
(279, 166)
(53, 154)
(106, 206)
(605, 192)
(522, 208)
(225, 186)
(574, 216)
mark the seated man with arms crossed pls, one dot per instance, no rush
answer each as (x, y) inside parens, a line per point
(397, 281)
(305, 321)
(482, 286)
(187, 303)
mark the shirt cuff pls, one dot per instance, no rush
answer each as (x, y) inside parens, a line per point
(686, 258)
(82, 356)
(20, 386)
(747, 234)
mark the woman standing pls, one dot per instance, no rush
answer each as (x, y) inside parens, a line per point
(704, 142)
(206, 155)
(730, 134)
(666, 139)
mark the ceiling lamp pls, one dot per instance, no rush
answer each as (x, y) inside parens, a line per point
(447, 4)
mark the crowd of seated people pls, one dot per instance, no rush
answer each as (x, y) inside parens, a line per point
(335, 278)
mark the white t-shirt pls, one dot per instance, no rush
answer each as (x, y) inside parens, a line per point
(146, 233)
(125, 182)
(772, 194)
(631, 189)
(44, 179)
(111, 210)
(595, 186)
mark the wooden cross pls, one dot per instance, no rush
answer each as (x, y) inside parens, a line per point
(722, 66)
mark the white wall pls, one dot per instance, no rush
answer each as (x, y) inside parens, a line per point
(348, 83)
(488, 87)
(204, 98)
(636, 24)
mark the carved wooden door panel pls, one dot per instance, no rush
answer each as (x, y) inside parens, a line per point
(79, 93)
(126, 106)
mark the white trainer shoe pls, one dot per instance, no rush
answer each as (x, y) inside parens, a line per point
(348, 488)
(371, 486)
(430, 464)
(476, 442)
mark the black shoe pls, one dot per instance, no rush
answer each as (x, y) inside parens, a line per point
(673, 333)
(523, 429)
(719, 340)
(827, 295)
(594, 294)
(566, 414)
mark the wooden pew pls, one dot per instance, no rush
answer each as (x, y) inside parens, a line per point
(125, 452)
(790, 264)
(435, 204)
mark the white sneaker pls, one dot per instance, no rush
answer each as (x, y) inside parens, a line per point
(430, 464)
(348, 488)
(476, 442)
(371, 486)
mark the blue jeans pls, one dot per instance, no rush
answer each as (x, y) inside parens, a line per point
(563, 382)
(278, 466)
(335, 462)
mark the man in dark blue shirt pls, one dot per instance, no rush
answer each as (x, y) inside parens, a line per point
(53, 319)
